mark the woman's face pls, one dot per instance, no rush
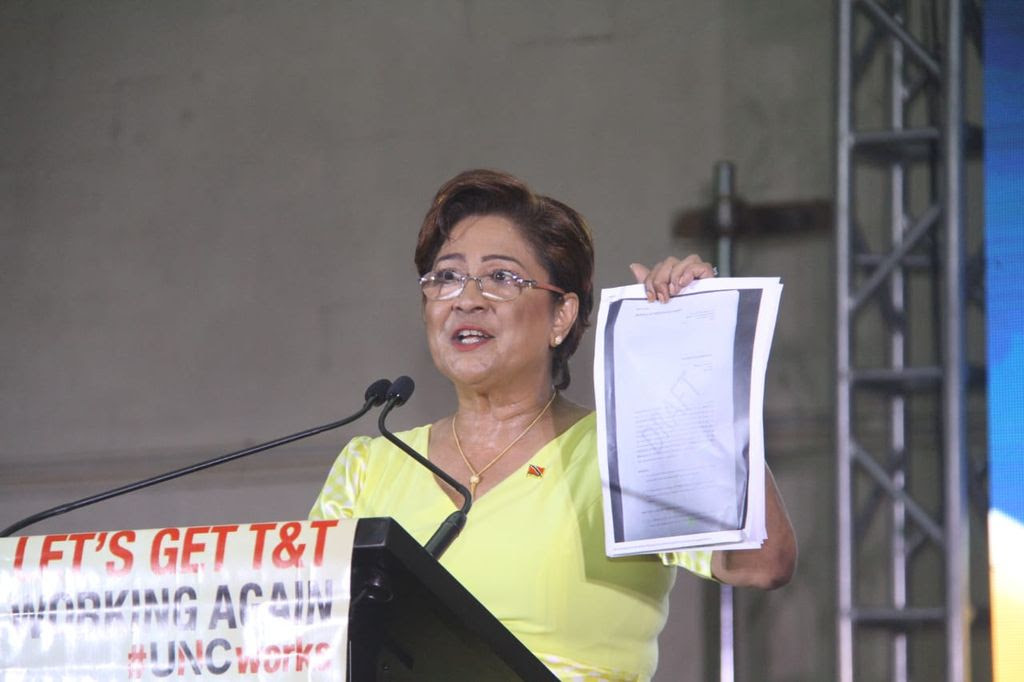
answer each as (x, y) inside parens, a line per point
(484, 344)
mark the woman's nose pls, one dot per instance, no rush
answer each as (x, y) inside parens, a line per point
(472, 294)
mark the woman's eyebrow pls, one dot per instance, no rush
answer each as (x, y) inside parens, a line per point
(489, 257)
(498, 256)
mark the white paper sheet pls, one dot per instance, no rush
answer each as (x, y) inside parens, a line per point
(679, 390)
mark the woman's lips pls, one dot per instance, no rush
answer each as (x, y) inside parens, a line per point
(468, 338)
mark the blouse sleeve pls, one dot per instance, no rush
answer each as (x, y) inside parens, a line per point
(338, 497)
(695, 561)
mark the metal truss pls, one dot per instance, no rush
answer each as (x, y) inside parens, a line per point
(902, 384)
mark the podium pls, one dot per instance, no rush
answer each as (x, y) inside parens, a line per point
(409, 619)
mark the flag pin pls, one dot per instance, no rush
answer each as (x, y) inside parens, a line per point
(535, 470)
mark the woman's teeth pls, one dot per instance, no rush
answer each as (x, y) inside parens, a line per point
(471, 336)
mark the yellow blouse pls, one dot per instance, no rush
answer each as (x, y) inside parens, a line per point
(532, 550)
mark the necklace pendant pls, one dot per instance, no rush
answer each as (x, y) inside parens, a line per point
(474, 480)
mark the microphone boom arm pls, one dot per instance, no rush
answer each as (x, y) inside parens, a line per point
(452, 525)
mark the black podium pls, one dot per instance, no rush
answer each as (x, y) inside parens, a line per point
(409, 619)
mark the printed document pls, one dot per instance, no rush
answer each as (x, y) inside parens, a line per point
(680, 390)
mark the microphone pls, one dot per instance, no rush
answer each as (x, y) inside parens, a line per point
(400, 391)
(376, 395)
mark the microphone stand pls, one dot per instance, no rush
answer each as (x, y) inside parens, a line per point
(375, 395)
(400, 391)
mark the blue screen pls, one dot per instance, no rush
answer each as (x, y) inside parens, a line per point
(1004, 250)
(1004, 294)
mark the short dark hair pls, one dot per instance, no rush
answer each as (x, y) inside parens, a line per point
(559, 236)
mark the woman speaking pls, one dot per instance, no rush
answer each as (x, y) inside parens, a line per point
(506, 283)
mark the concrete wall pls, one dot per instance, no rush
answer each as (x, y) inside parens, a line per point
(208, 209)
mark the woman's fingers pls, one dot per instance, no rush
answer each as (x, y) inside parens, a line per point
(639, 271)
(661, 278)
(671, 275)
(690, 268)
(642, 274)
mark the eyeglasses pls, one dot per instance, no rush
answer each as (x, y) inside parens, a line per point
(500, 285)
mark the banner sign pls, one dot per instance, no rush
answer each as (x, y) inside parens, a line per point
(258, 601)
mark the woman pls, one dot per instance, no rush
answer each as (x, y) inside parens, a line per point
(506, 281)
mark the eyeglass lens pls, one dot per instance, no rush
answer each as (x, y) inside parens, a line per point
(452, 284)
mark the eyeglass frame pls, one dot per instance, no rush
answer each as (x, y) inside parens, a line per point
(520, 282)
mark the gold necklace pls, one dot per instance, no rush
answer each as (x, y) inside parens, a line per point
(474, 479)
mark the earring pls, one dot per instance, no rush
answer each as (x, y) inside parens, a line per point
(558, 340)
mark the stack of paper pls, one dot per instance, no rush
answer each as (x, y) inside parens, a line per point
(680, 390)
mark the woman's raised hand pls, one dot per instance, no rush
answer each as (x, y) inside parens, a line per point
(670, 276)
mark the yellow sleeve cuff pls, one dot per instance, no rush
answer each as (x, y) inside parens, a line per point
(694, 561)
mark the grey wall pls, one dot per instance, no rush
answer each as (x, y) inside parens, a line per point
(208, 210)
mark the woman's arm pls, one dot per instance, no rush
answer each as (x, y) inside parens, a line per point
(771, 565)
